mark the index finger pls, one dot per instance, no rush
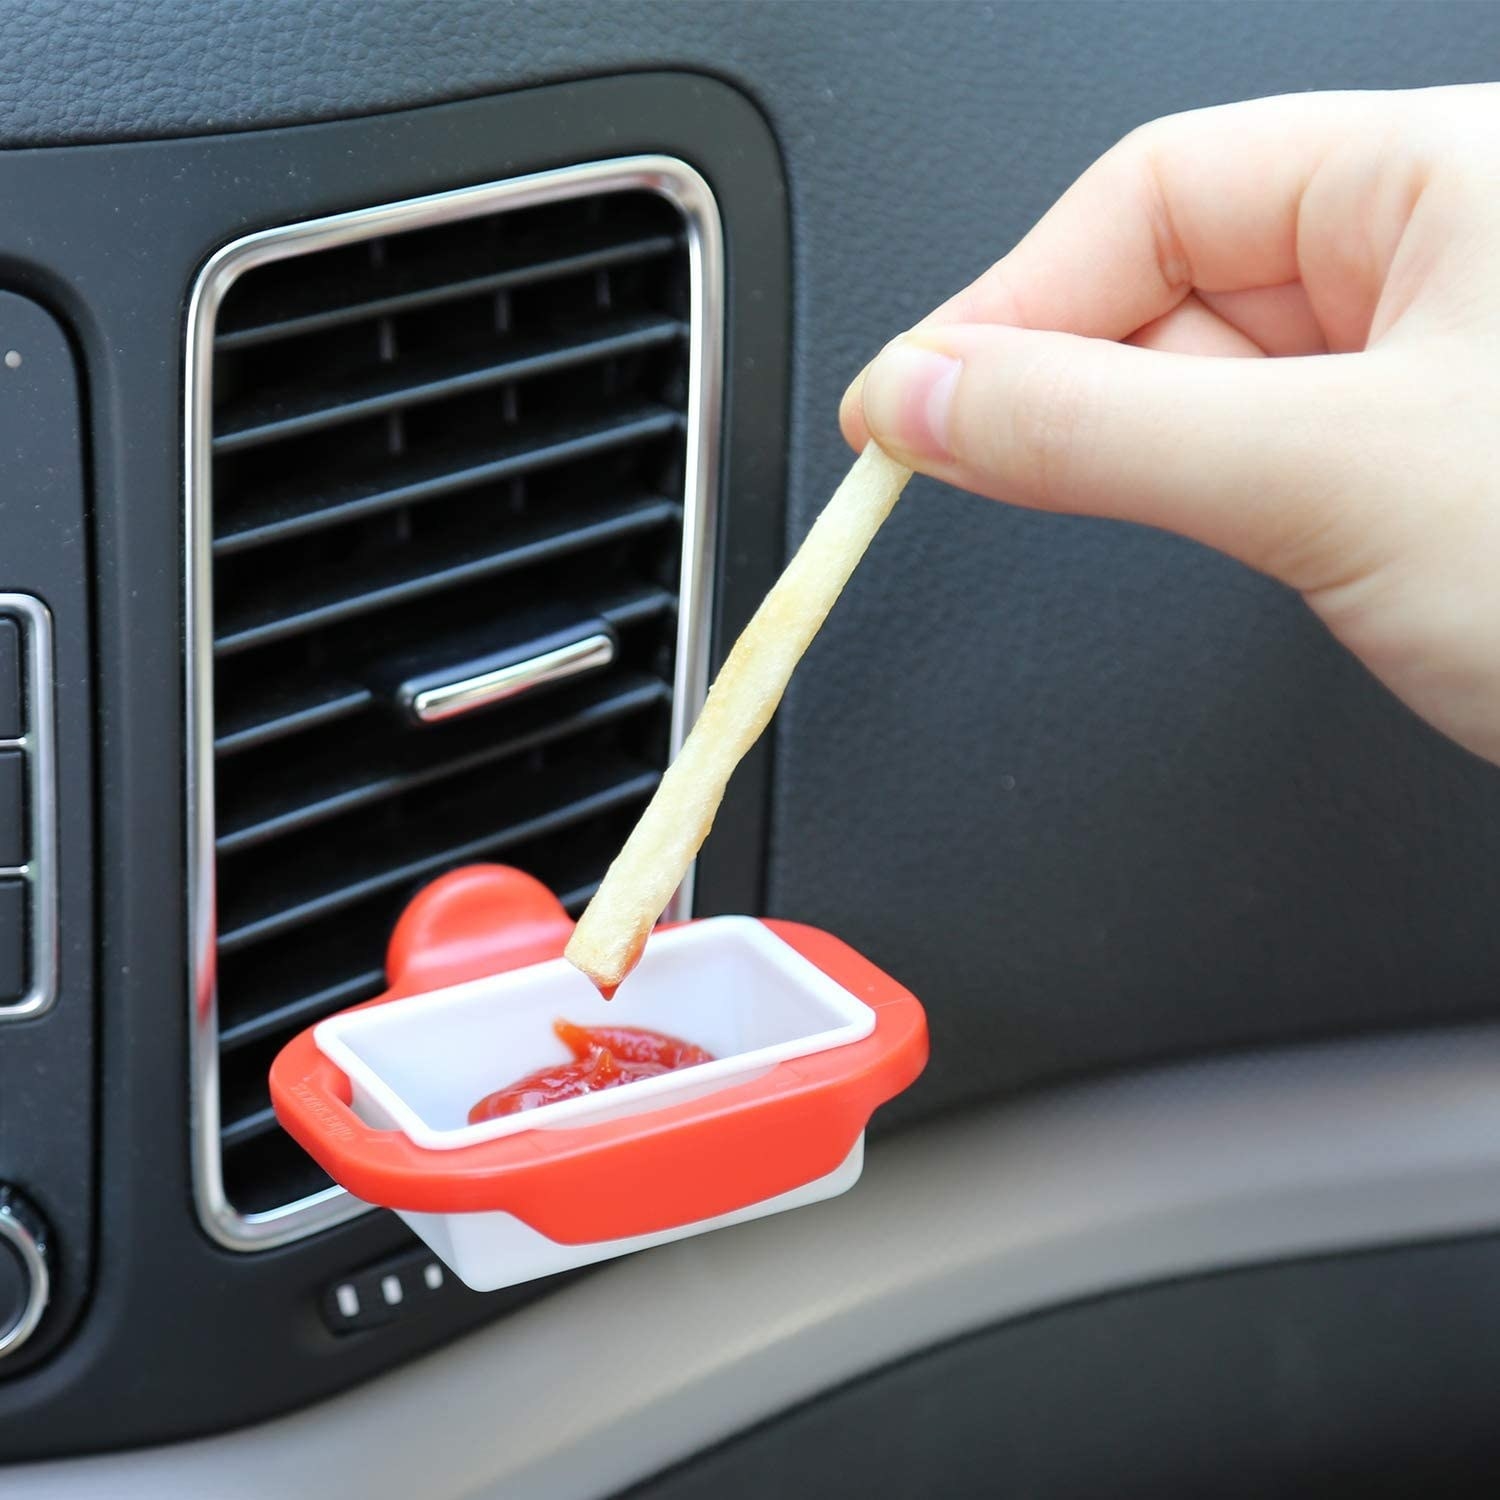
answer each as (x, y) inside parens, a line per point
(1207, 200)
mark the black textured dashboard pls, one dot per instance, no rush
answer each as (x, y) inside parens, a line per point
(1157, 789)
(1094, 794)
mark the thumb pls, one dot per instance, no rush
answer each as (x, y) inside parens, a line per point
(1255, 457)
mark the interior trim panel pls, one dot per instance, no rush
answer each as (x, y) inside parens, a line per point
(957, 1227)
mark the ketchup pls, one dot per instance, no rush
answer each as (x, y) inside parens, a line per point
(609, 991)
(604, 1057)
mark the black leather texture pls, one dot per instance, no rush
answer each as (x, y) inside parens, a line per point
(1096, 795)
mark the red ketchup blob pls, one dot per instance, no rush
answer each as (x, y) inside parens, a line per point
(603, 1058)
(609, 991)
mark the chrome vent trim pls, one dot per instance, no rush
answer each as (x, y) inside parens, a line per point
(691, 195)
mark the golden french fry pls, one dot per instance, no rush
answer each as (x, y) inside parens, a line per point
(634, 892)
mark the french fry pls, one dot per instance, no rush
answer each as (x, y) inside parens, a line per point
(609, 937)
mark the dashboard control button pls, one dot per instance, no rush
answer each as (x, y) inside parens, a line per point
(12, 711)
(13, 965)
(13, 849)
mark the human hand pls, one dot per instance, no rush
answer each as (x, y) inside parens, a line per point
(1273, 327)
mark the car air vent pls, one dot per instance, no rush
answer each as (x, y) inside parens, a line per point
(450, 500)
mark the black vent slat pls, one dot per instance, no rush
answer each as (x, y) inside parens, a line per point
(555, 820)
(637, 606)
(247, 1127)
(292, 809)
(303, 1011)
(429, 446)
(279, 518)
(276, 622)
(421, 291)
(305, 408)
(286, 712)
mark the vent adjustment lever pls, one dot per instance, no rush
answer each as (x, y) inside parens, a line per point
(437, 697)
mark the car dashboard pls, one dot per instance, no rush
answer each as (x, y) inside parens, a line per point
(350, 352)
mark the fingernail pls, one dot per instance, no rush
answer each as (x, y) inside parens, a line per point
(853, 398)
(908, 398)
